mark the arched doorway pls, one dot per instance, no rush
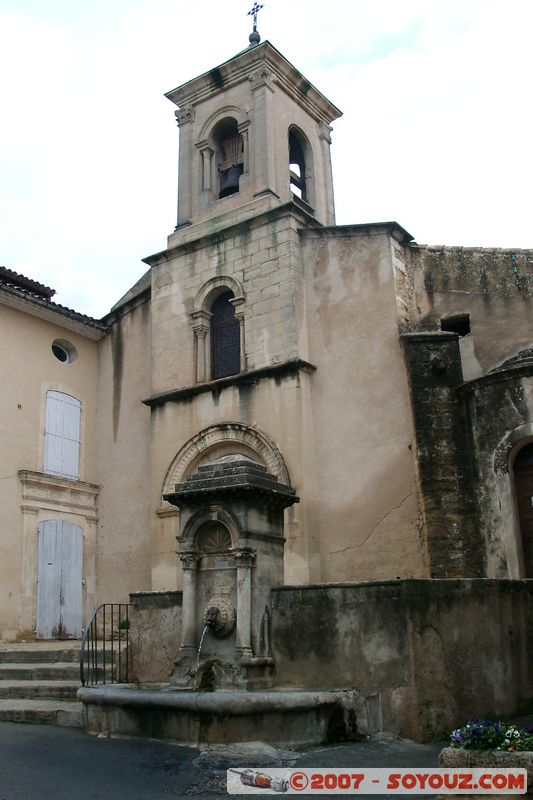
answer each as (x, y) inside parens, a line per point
(523, 477)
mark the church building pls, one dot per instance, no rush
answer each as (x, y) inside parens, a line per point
(379, 391)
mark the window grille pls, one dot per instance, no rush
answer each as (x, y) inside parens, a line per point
(225, 338)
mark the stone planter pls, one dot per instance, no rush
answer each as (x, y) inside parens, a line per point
(453, 758)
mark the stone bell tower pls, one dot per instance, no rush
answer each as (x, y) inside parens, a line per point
(253, 133)
(229, 334)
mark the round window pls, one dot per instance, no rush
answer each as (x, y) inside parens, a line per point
(64, 351)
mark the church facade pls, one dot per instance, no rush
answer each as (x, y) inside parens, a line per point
(389, 384)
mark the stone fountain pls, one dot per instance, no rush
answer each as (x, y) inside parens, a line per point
(231, 548)
(225, 687)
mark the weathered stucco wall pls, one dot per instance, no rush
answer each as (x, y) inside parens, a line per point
(30, 370)
(365, 495)
(425, 655)
(123, 437)
(494, 286)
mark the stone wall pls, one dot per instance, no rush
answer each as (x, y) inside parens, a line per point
(500, 409)
(155, 633)
(425, 655)
(493, 286)
(446, 475)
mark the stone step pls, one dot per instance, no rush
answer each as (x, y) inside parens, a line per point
(42, 712)
(42, 652)
(59, 671)
(43, 655)
(45, 690)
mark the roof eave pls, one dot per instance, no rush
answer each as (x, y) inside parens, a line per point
(57, 315)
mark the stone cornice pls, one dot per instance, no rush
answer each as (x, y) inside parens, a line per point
(366, 229)
(41, 491)
(220, 482)
(244, 65)
(196, 236)
(251, 376)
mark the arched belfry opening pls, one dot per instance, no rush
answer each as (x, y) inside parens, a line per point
(523, 479)
(229, 146)
(300, 164)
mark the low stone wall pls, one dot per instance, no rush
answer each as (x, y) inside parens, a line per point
(424, 654)
(155, 631)
(452, 758)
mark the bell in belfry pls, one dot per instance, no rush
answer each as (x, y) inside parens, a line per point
(229, 180)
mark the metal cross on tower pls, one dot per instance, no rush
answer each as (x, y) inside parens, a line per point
(254, 12)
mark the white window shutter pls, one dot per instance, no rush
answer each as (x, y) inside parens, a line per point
(62, 435)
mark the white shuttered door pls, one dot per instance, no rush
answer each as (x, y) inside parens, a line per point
(62, 435)
(59, 593)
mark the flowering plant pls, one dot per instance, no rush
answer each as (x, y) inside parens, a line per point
(483, 734)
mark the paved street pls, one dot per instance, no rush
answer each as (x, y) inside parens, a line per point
(39, 762)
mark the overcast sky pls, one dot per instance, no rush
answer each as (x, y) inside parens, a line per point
(436, 134)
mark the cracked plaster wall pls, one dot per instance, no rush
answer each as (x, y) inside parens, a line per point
(366, 494)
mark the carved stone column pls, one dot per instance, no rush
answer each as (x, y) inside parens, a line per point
(185, 118)
(238, 304)
(200, 325)
(189, 560)
(327, 190)
(264, 155)
(244, 558)
(243, 130)
(207, 155)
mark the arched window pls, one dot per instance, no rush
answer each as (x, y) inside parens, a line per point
(229, 146)
(62, 435)
(225, 337)
(523, 476)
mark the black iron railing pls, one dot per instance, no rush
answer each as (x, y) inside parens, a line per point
(104, 650)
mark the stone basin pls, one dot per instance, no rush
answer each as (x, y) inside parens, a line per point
(278, 717)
